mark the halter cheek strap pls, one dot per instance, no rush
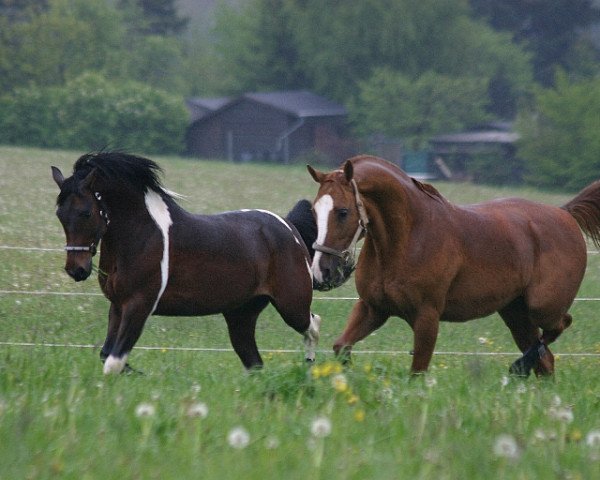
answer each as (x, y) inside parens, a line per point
(92, 246)
(347, 255)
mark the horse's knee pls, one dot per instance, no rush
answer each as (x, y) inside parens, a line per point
(551, 335)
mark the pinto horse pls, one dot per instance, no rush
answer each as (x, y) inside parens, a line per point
(425, 259)
(157, 258)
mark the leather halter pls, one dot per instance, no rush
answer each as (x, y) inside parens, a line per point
(92, 246)
(347, 255)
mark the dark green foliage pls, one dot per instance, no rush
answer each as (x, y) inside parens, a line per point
(414, 109)
(560, 138)
(91, 113)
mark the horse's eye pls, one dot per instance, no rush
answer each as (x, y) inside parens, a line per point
(342, 213)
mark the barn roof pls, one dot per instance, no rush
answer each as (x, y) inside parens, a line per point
(299, 103)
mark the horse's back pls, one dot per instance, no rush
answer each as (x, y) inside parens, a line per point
(235, 256)
(517, 248)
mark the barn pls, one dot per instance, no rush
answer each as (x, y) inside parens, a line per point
(271, 126)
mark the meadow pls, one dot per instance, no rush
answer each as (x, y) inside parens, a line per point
(195, 413)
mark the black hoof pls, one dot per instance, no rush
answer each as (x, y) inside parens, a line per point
(520, 368)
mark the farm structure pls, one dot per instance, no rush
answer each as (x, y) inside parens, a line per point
(273, 126)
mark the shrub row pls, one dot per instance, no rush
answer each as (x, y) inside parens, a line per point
(90, 113)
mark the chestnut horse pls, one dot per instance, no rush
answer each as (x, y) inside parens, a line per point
(425, 259)
(156, 258)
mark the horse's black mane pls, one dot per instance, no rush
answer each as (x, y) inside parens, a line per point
(139, 173)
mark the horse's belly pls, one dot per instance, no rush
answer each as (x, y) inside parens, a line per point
(466, 305)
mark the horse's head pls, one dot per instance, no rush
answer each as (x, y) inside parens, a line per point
(84, 219)
(341, 221)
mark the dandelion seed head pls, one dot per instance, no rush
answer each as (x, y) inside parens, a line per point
(199, 410)
(321, 427)
(145, 410)
(238, 438)
(430, 382)
(504, 381)
(564, 414)
(196, 388)
(506, 447)
(272, 442)
(592, 439)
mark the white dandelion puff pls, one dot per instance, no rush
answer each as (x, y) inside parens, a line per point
(506, 447)
(504, 381)
(321, 427)
(430, 382)
(592, 439)
(564, 415)
(238, 438)
(145, 410)
(199, 410)
(271, 442)
(482, 340)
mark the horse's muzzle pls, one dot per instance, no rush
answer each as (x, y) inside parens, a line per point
(78, 273)
(335, 277)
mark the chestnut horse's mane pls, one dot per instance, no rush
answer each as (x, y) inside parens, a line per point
(138, 173)
(383, 165)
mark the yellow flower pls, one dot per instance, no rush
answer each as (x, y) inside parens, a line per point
(340, 382)
(359, 415)
(367, 368)
(315, 371)
(352, 399)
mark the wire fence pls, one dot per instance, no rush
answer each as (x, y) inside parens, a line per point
(228, 350)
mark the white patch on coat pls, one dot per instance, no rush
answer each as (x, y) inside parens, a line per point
(323, 208)
(158, 210)
(311, 337)
(114, 364)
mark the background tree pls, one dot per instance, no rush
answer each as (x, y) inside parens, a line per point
(552, 30)
(399, 106)
(560, 134)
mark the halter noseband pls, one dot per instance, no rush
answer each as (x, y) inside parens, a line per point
(347, 255)
(92, 246)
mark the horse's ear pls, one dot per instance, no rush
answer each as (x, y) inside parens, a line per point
(88, 181)
(318, 176)
(58, 176)
(348, 170)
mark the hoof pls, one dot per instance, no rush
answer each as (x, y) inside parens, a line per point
(520, 368)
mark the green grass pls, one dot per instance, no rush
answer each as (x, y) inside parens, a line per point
(61, 418)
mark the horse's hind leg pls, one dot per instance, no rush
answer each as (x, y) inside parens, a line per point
(241, 324)
(536, 354)
(296, 313)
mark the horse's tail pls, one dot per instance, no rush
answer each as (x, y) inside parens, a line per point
(302, 218)
(585, 208)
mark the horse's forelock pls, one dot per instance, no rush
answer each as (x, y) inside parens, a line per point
(140, 173)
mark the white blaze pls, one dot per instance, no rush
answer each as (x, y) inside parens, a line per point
(323, 208)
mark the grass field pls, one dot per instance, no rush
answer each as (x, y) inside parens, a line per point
(196, 414)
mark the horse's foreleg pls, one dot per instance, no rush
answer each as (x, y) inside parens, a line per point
(362, 321)
(425, 329)
(133, 317)
(114, 320)
(311, 337)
